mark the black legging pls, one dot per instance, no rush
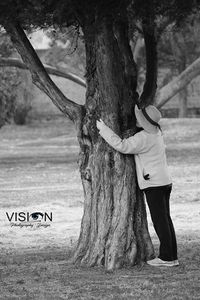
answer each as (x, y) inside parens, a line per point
(158, 202)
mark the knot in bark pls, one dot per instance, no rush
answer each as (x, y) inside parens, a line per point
(87, 175)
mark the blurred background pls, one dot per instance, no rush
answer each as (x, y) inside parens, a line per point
(21, 101)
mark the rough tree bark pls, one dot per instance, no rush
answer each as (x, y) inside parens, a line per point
(114, 228)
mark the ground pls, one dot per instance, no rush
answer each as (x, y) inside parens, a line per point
(39, 172)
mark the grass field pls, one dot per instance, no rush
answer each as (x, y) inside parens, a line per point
(39, 172)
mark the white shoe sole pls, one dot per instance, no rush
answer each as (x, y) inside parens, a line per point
(160, 265)
(163, 264)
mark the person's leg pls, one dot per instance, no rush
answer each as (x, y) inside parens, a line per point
(157, 205)
(173, 234)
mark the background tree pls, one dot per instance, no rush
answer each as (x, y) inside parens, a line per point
(15, 92)
(178, 49)
(9, 82)
(114, 227)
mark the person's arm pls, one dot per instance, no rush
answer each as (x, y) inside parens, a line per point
(132, 145)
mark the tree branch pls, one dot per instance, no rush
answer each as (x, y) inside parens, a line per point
(39, 75)
(13, 62)
(177, 84)
(150, 86)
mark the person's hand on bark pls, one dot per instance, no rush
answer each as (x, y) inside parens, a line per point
(100, 124)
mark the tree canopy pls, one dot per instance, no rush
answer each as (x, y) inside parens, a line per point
(76, 12)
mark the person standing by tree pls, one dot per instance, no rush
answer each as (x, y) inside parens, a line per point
(152, 174)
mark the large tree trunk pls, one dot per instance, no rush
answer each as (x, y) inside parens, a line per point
(114, 226)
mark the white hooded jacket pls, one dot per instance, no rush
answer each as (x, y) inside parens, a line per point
(150, 157)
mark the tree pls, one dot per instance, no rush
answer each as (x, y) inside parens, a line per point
(9, 82)
(178, 49)
(114, 227)
(15, 94)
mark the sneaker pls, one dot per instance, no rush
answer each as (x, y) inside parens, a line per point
(157, 262)
(176, 262)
